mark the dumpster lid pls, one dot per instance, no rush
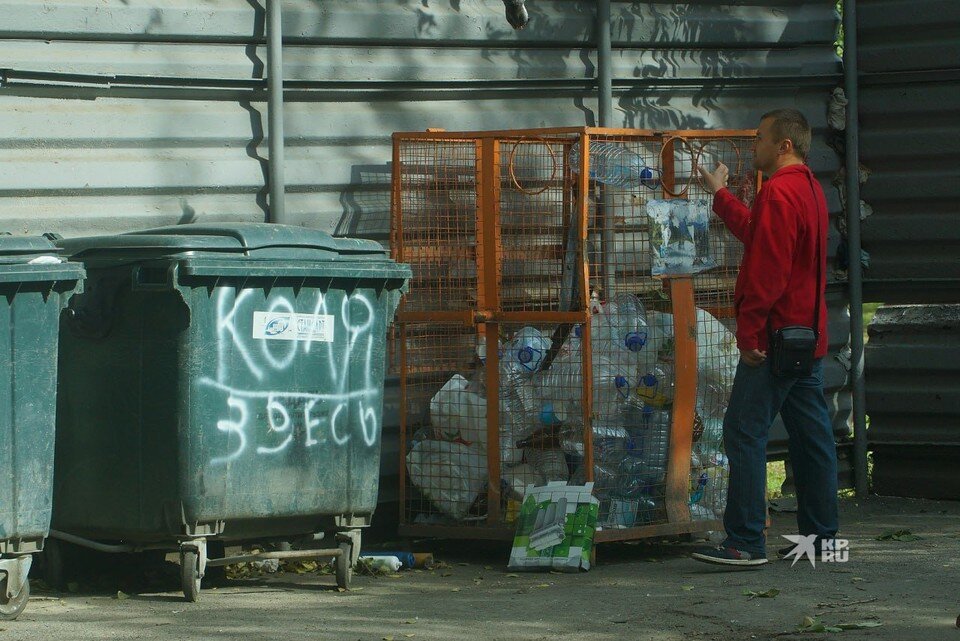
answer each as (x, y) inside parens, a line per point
(222, 238)
(25, 245)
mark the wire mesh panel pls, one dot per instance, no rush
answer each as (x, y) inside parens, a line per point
(435, 222)
(569, 259)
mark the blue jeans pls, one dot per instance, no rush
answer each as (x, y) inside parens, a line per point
(757, 396)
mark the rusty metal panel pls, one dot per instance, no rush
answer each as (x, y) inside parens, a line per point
(911, 371)
(909, 56)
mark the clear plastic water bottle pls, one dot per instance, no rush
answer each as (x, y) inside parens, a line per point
(656, 387)
(614, 164)
(656, 437)
(560, 392)
(527, 350)
(622, 325)
(621, 333)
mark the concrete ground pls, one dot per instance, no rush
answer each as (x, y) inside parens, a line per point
(636, 591)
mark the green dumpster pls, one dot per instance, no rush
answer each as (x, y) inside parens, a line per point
(35, 284)
(222, 383)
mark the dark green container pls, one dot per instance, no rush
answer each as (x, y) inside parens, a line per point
(222, 381)
(35, 285)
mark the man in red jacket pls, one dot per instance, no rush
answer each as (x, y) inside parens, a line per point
(782, 276)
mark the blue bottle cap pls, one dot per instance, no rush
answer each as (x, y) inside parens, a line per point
(635, 341)
(525, 354)
(649, 380)
(578, 331)
(547, 414)
(621, 383)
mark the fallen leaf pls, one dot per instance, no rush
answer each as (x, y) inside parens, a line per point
(408, 622)
(455, 590)
(463, 564)
(121, 596)
(766, 594)
(410, 635)
(387, 638)
(686, 588)
(446, 574)
(513, 576)
(856, 579)
(899, 535)
(488, 567)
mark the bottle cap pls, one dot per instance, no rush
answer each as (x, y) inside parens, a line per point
(623, 387)
(649, 380)
(635, 341)
(547, 414)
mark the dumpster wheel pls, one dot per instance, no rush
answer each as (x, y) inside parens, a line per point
(344, 564)
(190, 574)
(11, 608)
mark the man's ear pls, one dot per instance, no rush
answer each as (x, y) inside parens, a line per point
(786, 146)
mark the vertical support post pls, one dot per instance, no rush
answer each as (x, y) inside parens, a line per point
(396, 246)
(604, 64)
(852, 147)
(403, 422)
(277, 209)
(488, 300)
(684, 399)
(586, 343)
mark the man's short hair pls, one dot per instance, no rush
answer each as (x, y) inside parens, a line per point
(789, 124)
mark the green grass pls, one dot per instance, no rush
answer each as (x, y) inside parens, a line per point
(869, 309)
(776, 473)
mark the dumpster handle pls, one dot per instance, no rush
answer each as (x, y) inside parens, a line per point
(93, 545)
(154, 278)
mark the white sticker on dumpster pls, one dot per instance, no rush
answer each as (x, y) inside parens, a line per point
(284, 326)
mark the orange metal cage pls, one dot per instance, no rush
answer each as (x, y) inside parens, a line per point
(509, 235)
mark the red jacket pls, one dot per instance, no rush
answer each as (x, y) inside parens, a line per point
(775, 287)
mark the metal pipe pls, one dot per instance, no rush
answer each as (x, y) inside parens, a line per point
(288, 556)
(93, 545)
(855, 274)
(605, 98)
(604, 63)
(277, 209)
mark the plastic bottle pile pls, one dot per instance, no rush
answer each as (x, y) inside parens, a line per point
(541, 418)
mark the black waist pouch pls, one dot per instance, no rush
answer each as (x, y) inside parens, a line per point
(792, 351)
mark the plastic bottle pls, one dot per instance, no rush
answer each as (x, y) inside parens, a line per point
(638, 495)
(697, 493)
(622, 325)
(522, 357)
(656, 437)
(383, 562)
(527, 350)
(516, 412)
(621, 333)
(656, 387)
(614, 164)
(560, 390)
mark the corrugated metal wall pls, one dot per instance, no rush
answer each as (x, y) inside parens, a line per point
(121, 115)
(912, 382)
(910, 139)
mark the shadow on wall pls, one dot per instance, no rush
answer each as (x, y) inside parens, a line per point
(366, 203)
